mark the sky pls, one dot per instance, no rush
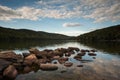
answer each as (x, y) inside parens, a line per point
(69, 17)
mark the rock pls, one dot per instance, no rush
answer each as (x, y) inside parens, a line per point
(41, 61)
(68, 54)
(73, 48)
(62, 60)
(48, 50)
(83, 51)
(27, 69)
(77, 57)
(68, 64)
(34, 51)
(55, 62)
(10, 56)
(57, 52)
(25, 54)
(79, 65)
(56, 57)
(29, 60)
(18, 66)
(93, 50)
(92, 54)
(48, 67)
(81, 54)
(94, 57)
(63, 71)
(4, 64)
(10, 72)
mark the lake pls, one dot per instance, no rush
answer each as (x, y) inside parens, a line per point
(104, 66)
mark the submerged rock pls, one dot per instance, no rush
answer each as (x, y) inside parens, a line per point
(77, 57)
(81, 54)
(62, 60)
(80, 65)
(48, 67)
(10, 72)
(92, 54)
(68, 64)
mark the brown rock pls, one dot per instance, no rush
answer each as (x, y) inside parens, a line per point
(81, 54)
(25, 54)
(62, 60)
(92, 54)
(77, 57)
(10, 72)
(4, 64)
(48, 67)
(10, 56)
(68, 64)
(29, 60)
(79, 65)
(27, 69)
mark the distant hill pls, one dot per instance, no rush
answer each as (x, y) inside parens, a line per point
(106, 34)
(24, 34)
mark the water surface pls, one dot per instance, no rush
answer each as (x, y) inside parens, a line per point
(104, 66)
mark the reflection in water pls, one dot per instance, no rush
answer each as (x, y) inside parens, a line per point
(104, 66)
(111, 47)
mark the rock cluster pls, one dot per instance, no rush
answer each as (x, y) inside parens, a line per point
(13, 64)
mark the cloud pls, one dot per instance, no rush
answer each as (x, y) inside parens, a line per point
(71, 24)
(98, 10)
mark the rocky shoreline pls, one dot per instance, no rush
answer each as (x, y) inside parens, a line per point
(12, 64)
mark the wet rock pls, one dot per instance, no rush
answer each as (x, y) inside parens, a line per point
(87, 50)
(73, 48)
(4, 64)
(63, 71)
(80, 65)
(27, 69)
(81, 54)
(77, 57)
(62, 60)
(10, 72)
(25, 54)
(18, 66)
(56, 57)
(57, 52)
(94, 57)
(42, 61)
(92, 54)
(68, 64)
(34, 51)
(10, 56)
(93, 50)
(55, 62)
(48, 50)
(83, 51)
(29, 60)
(68, 54)
(48, 67)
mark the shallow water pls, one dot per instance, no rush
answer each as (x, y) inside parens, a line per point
(104, 66)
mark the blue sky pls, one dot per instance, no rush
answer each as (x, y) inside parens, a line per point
(69, 17)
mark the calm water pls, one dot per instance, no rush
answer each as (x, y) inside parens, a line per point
(104, 66)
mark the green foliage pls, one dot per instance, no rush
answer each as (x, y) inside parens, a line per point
(24, 34)
(106, 34)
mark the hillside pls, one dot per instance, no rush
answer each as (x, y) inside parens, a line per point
(106, 34)
(24, 34)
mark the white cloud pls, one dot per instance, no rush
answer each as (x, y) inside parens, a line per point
(71, 24)
(99, 10)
